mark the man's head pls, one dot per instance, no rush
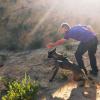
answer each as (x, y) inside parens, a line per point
(64, 28)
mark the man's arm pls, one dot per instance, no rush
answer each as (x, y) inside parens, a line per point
(59, 42)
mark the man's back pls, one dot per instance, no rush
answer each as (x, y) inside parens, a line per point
(80, 33)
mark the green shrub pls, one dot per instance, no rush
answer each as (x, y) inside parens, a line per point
(24, 90)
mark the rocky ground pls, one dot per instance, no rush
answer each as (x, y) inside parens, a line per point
(35, 64)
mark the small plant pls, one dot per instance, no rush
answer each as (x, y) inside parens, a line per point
(24, 90)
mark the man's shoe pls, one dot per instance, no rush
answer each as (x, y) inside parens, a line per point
(95, 74)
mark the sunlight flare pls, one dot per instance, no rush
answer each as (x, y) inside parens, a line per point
(64, 91)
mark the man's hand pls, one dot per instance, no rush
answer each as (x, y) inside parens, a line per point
(50, 45)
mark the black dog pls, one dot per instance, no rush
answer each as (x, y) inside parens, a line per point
(65, 63)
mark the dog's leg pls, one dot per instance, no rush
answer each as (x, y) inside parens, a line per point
(54, 74)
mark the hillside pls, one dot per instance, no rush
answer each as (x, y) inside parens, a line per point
(35, 64)
(31, 24)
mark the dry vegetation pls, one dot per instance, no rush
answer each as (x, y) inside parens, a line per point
(29, 24)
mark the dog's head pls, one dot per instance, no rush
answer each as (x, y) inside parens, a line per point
(55, 55)
(51, 53)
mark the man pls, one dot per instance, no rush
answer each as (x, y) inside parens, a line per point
(88, 42)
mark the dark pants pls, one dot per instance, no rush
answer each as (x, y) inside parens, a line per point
(91, 47)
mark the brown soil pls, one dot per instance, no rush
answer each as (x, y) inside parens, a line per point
(35, 64)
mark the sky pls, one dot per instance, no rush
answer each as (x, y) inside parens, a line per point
(88, 7)
(85, 7)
